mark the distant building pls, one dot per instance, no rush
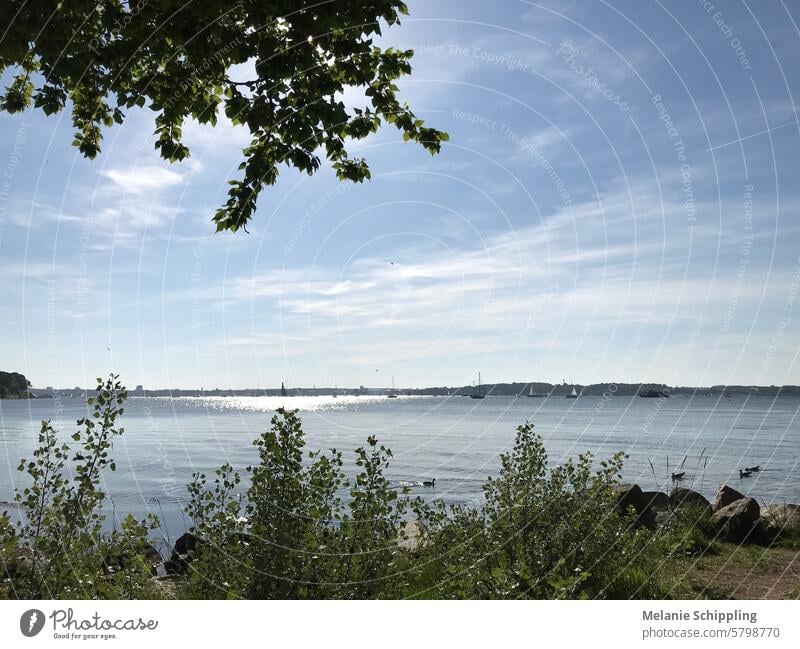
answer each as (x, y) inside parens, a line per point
(139, 388)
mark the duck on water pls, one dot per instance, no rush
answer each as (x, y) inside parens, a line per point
(748, 471)
(418, 483)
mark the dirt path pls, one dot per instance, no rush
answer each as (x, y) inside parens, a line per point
(749, 573)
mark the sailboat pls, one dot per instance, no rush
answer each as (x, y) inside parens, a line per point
(392, 394)
(479, 393)
(573, 394)
(532, 392)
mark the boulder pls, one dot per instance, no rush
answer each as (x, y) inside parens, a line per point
(725, 496)
(644, 503)
(737, 521)
(153, 557)
(186, 543)
(182, 552)
(682, 497)
(657, 501)
(410, 538)
(630, 495)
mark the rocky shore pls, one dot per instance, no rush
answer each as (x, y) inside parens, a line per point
(736, 517)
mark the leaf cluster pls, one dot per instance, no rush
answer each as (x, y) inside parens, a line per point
(103, 58)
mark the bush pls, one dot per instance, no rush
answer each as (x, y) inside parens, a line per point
(59, 549)
(542, 533)
(291, 535)
(690, 531)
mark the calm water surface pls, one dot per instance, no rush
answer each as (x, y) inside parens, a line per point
(456, 440)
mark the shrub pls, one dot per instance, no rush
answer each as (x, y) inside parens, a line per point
(300, 539)
(59, 548)
(542, 533)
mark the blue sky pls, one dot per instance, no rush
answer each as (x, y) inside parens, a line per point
(618, 201)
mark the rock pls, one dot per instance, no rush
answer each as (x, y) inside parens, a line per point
(630, 495)
(411, 540)
(681, 497)
(186, 543)
(153, 557)
(725, 496)
(737, 520)
(182, 553)
(657, 501)
(174, 567)
(13, 565)
(780, 518)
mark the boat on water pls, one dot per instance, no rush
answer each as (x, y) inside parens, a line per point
(393, 393)
(573, 394)
(478, 392)
(532, 393)
(654, 394)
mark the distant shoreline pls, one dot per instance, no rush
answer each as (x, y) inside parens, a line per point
(522, 390)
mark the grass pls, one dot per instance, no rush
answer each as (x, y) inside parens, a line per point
(743, 572)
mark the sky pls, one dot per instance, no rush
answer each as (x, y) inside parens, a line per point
(618, 201)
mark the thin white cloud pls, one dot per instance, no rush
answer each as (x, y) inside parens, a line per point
(142, 179)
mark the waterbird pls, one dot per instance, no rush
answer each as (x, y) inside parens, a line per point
(753, 469)
(429, 483)
(678, 476)
(745, 474)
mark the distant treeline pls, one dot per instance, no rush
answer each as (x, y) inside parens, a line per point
(490, 389)
(616, 389)
(13, 386)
